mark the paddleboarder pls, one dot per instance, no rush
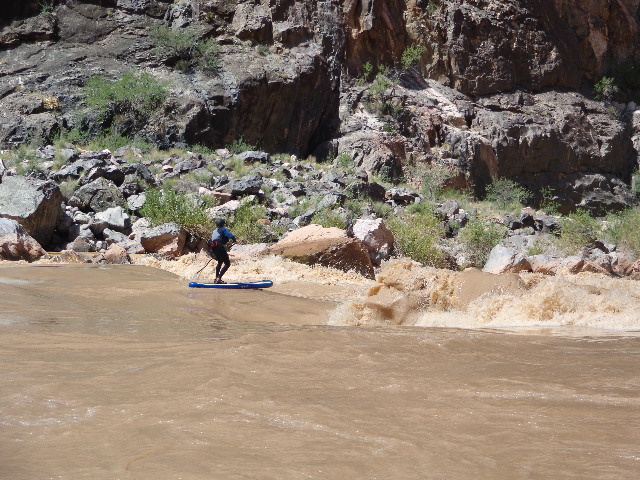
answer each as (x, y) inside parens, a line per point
(219, 238)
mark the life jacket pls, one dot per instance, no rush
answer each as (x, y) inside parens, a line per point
(216, 239)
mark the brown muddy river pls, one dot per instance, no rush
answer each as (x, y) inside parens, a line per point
(126, 373)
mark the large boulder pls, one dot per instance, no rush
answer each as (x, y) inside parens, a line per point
(166, 239)
(115, 218)
(35, 204)
(376, 237)
(97, 196)
(330, 247)
(16, 244)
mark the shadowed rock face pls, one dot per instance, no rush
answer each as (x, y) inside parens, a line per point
(35, 205)
(286, 80)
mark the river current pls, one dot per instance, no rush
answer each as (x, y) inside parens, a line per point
(123, 372)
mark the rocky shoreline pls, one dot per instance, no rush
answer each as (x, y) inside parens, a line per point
(99, 219)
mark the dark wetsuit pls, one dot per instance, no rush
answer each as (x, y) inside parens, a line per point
(219, 238)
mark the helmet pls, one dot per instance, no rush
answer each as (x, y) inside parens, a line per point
(220, 222)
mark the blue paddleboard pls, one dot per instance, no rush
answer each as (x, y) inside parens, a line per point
(260, 284)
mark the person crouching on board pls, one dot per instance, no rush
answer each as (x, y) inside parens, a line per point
(219, 238)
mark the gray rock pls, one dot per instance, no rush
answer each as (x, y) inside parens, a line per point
(115, 218)
(447, 209)
(373, 191)
(76, 169)
(112, 236)
(111, 173)
(187, 165)
(251, 156)
(139, 170)
(136, 202)
(97, 196)
(36, 205)
(247, 185)
(376, 237)
(506, 260)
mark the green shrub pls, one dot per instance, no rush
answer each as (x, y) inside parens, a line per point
(411, 55)
(417, 236)
(548, 203)
(380, 101)
(432, 7)
(624, 230)
(245, 225)
(67, 188)
(166, 205)
(507, 194)
(239, 145)
(381, 210)
(328, 217)
(635, 183)
(606, 88)
(46, 6)
(434, 180)
(367, 71)
(478, 238)
(186, 50)
(109, 139)
(344, 160)
(131, 98)
(577, 230)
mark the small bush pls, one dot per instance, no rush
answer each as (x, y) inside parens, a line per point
(381, 210)
(186, 50)
(434, 181)
(479, 238)
(344, 160)
(245, 223)
(166, 205)
(46, 6)
(411, 55)
(110, 139)
(606, 88)
(329, 218)
(68, 188)
(624, 230)
(367, 71)
(417, 236)
(577, 230)
(548, 202)
(239, 145)
(133, 97)
(432, 7)
(507, 194)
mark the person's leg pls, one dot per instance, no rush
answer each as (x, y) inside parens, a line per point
(218, 267)
(226, 266)
(226, 263)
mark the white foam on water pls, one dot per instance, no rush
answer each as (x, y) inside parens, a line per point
(408, 294)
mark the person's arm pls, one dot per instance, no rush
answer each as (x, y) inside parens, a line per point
(229, 234)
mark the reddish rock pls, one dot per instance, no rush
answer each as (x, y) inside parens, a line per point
(16, 244)
(117, 255)
(330, 247)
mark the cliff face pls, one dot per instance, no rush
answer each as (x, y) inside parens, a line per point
(501, 87)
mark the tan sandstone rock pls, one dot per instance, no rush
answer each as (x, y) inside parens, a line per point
(330, 247)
